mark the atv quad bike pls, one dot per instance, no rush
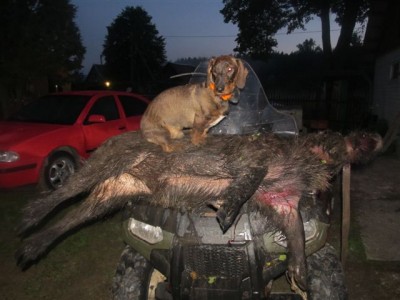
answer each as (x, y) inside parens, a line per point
(179, 255)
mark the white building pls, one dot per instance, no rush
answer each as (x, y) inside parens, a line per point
(387, 85)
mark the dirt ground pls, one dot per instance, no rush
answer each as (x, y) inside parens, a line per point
(373, 267)
(82, 266)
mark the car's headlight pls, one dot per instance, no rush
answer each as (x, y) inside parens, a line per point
(8, 156)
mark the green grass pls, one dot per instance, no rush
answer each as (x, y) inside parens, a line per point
(356, 247)
(79, 267)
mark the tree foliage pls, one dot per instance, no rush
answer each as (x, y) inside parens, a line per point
(308, 46)
(133, 49)
(191, 61)
(260, 20)
(39, 39)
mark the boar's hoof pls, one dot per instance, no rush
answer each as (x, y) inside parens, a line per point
(225, 219)
(298, 273)
(29, 253)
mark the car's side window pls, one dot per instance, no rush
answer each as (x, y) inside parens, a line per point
(105, 106)
(132, 106)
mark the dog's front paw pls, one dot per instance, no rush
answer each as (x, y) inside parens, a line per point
(198, 140)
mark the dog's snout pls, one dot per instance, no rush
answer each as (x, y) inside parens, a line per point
(220, 89)
(219, 84)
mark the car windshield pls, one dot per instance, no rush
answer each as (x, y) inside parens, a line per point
(52, 109)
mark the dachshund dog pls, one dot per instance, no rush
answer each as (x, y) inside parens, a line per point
(194, 106)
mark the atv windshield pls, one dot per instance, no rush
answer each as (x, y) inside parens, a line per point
(253, 112)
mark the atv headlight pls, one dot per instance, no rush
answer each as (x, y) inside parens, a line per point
(310, 231)
(150, 234)
(8, 156)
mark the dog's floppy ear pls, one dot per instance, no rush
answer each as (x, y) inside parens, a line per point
(209, 67)
(242, 74)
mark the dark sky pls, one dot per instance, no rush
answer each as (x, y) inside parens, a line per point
(191, 28)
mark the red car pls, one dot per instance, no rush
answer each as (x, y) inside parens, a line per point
(47, 139)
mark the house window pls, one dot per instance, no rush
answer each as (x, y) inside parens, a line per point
(395, 71)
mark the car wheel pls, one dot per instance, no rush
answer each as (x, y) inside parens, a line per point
(135, 278)
(325, 275)
(58, 169)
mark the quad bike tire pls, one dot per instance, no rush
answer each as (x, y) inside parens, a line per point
(135, 278)
(325, 275)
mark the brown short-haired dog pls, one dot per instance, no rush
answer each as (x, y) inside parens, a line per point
(196, 106)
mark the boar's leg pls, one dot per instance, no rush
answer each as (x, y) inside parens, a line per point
(106, 198)
(239, 191)
(35, 211)
(106, 162)
(288, 219)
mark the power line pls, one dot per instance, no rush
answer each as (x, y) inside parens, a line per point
(199, 36)
(232, 36)
(306, 32)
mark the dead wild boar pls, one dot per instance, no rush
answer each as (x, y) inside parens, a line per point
(269, 170)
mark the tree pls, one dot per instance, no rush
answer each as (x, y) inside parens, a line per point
(308, 46)
(39, 40)
(260, 20)
(133, 49)
(192, 61)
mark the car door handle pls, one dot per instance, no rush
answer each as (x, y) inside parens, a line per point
(122, 128)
